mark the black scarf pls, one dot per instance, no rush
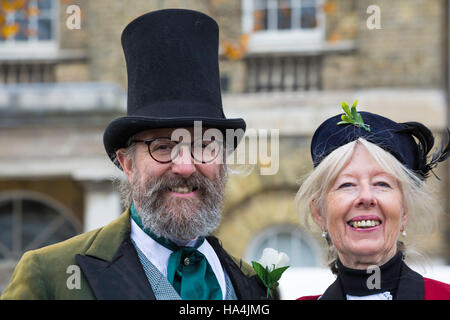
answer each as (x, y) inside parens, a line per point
(396, 277)
(357, 282)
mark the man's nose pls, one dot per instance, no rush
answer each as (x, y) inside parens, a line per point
(366, 198)
(183, 164)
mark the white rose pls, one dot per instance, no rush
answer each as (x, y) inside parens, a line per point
(273, 259)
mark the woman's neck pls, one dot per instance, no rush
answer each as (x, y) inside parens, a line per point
(360, 262)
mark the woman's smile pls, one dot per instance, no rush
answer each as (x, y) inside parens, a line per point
(366, 223)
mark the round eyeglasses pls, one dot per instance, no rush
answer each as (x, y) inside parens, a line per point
(165, 150)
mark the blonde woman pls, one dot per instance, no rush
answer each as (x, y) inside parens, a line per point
(367, 188)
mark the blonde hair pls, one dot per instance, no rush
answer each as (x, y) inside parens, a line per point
(417, 200)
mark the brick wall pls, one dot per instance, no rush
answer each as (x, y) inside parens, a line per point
(407, 50)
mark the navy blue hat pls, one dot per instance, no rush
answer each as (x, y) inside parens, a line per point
(173, 76)
(408, 142)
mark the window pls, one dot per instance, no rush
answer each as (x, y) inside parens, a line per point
(283, 25)
(27, 22)
(284, 15)
(30, 221)
(301, 249)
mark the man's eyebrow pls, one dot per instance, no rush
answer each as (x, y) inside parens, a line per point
(154, 137)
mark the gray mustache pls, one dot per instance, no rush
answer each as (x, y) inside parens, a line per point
(196, 180)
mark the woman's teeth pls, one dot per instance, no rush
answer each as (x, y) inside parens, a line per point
(364, 223)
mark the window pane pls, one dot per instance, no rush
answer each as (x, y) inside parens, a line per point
(305, 255)
(64, 232)
(308, 18)
(41, 225)
(35, 217)
(259, 251)
(6, 224)
(19, 15)
(289, 240)
(284, 242)
(225, 83)
(260, 16)
(45, 29)
(23, 27)
(284, 14)
(44, 4)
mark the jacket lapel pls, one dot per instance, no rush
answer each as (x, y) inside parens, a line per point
(247, 287)
(334, 292)
(111, 264)
(411, 285)
(120, 279)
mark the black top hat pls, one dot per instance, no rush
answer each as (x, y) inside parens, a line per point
(173, 76)
(409, 142)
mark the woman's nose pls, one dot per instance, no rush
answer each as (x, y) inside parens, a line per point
(366, 199)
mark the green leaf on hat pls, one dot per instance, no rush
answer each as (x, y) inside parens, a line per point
(352, 116)
(346, 108)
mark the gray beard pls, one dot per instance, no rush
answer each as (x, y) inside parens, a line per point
(179, 219)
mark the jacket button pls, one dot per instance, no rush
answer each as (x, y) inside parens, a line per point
(186, 261)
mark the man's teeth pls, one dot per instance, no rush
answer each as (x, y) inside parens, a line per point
(182, 189)
(364, 223)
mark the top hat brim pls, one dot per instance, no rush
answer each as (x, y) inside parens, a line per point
(120, 130)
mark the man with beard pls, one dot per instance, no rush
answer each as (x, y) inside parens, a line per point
(160, 247)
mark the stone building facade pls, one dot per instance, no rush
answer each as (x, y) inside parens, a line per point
(277, 73)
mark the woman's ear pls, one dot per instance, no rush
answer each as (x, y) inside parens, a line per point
(318, 218)
(404, 218)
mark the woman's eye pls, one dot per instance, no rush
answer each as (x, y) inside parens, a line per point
(383, 184)
(345, 185)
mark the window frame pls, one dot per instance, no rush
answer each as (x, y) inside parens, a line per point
(286, 40)
(23, 195)
(275, 229)
(18, 48)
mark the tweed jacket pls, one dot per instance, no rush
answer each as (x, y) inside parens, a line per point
(108, 267)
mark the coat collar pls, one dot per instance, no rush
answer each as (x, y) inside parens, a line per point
(110, 237)
(410, 287)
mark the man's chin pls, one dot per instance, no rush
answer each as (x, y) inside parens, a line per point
(181, 206)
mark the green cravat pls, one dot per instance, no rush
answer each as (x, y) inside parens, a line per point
(188, 270)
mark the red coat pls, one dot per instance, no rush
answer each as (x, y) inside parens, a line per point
(436, 290)
(433, 290)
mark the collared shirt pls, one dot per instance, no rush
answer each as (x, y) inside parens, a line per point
(379, 296)
(159, 255)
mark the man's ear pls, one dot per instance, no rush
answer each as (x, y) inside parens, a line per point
(125, 162)
(318, 218)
